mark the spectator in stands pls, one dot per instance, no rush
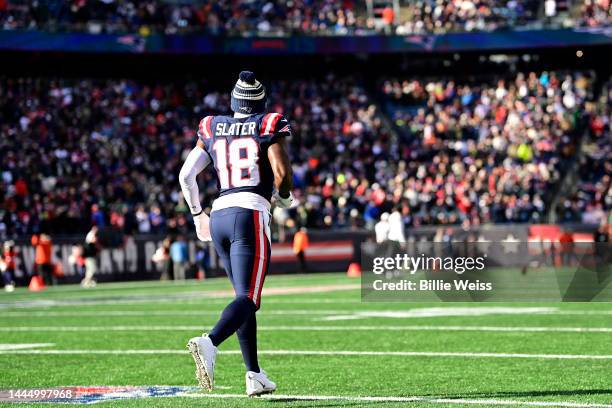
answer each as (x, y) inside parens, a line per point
(77, 261)
(300, 245)
(603, 233)
(90, 254)
(97, 216)
(388, 18)
(550, 9)
(8, 265)
(161, 258)
(603, 255)
(567, 248)
(180, 257)
(202, 260)
(396, 227)
(43, 258)
(381, 229)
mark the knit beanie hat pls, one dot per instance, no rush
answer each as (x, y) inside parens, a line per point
(248, 95)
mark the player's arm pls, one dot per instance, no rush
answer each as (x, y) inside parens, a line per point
(196, 161)
(283, 175)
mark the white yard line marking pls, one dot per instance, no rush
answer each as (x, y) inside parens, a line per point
(502, 329)
(445, 328)
(440, 312)
(450, 311)
(173, 313)
(466, 401)
(315, 301)
(179, 296)
(22, 346)
(333, 314)
(335, 353)
(583, 312)
(183, 300)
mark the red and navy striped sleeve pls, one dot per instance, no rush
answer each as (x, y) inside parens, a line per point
(275, 124)
(204, 129)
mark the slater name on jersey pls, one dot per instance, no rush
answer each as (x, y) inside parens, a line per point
(235, 129)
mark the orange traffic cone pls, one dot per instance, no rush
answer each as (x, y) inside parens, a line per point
(36, 284)
(354, 270)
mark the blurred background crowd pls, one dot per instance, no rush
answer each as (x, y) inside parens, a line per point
(107, 152)
(308, 17)
(593, 197)
(485, 151)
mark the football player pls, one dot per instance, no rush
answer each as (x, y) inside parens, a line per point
(248, 153)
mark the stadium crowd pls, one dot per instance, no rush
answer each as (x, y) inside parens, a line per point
(441, 16)
(226, 17)
(595, 13)
(592, 202)
(484, 151)
(80, 152)
(310, 17)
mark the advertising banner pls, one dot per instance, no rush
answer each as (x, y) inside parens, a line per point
(303, 45)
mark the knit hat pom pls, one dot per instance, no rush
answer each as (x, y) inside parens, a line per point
(248, 77)
(248, 95)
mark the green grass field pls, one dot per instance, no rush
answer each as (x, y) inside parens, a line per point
(317, 340)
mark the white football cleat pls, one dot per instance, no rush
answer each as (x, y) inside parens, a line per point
(258, 383)
(204, 354)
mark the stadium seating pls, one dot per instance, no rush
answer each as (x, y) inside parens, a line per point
(155, 16)
(485, 151)
(312, 17)
(593, 199)
(441, 151)
(427, 16)
(109, 151)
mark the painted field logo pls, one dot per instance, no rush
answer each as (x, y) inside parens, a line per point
(93, 394)
(90, 395)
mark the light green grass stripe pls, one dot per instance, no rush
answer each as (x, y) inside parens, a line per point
(361, 314)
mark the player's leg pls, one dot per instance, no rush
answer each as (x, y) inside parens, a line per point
(247, 337)
(233, 234)
(250, 256)
(249, 252)
(202, 349)
(252, 287)
(243, 260)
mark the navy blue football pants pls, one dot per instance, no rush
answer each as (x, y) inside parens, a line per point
(241, 241)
